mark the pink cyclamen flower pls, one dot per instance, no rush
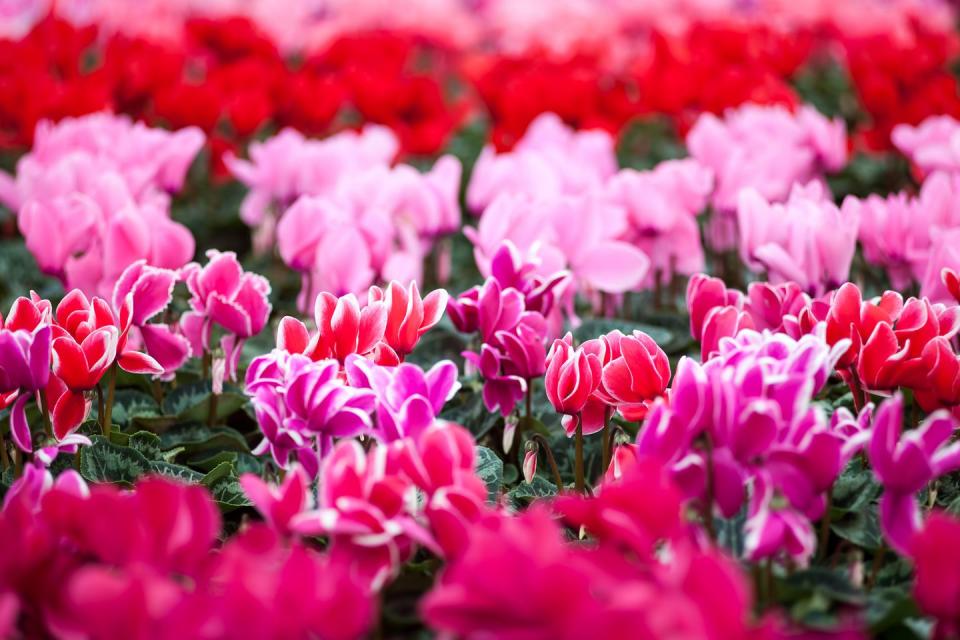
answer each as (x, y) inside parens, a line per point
(768, 148)
(551, 159)
(303, 405)
(222, 294)
(366, 512)
(572, 375)
(638, 375)
(933, 145)
(807, 240)
(279, 504)
(501, 392)
(906, 463)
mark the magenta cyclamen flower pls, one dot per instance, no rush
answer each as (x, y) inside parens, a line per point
(906, 463)
(408, 400)
(279, 504)
(366, 511)
(302, 405)
(754, 401)
(501, 392)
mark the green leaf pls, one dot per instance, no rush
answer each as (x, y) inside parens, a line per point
(523, 494)
(130, 404)
(195, 437)
(192, 402)
(176, 471)
(219, 472)
(467, 409)
(229, 494)
(490, 470)
(145, 442)
(104, 461)
(858, 527)
(887, 607)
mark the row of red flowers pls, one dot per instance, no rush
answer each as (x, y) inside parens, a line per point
(232, 81)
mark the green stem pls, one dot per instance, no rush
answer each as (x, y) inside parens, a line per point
(205, 365)
(529, 400)
(554, 469)
(17, 462)
(101, 410)
(44, 411)
(825, 527)
(111, 392)
(212, 410)
(856, 388)
(4, 454)
(607, 433)
(580, 483)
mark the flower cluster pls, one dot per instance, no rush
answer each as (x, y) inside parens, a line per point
(512, 312)
(92, 197)
(340, 214)
(558, 197)
(157, 555)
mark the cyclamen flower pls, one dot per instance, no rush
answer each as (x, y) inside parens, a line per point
(767, 148)
(501, 392)
(366, 512)
(343, 329)
(572, 376)
(302, 405)
(807, 240)
(408, 315)
(223, 295)
(662, 207)
(92, 198)
(279, 505)
(933, 145)
(717, 312)
(551, 159)
(906, 463)
(937, 563)
(408, 400)
(902, 233)
(754, 401)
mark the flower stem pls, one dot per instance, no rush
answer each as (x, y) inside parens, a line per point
(557, 480)
(101, 410)
(580, 484)
(17, 462)
(825, 527)
(529, 400)
(607, 437)
(708, 507)
(856, 388)
(212, 410)
(4, 454)
(44, 411)
(111, 392)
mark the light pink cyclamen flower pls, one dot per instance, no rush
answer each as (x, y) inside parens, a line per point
(289, 165)
(550, 160)
(807, 240)
(933, 145)
(92, 198)
(662, 207)
(767, 148)
(580, 234)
